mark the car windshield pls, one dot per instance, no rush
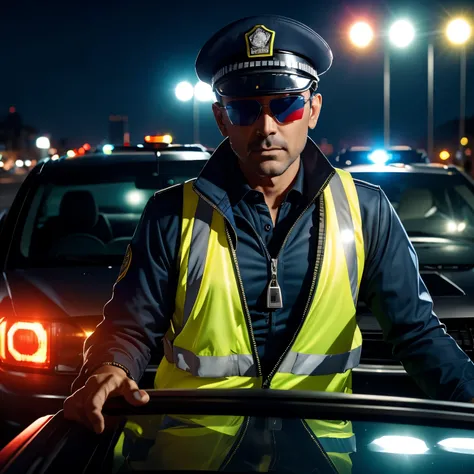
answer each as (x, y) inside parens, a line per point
(87, 214)
(233, 434)
(357, 157)
(429, 204)
(145, 443)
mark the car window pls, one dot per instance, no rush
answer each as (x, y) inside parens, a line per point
(152, 444)
(429, 203)
(260, 431)
(88, 215)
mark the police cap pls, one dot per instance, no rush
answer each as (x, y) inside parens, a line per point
(263, 55)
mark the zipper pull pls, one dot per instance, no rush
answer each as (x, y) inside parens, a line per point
(274, 298)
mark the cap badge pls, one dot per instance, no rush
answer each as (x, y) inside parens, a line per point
(259, 41)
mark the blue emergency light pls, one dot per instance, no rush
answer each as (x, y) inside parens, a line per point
(379, 157)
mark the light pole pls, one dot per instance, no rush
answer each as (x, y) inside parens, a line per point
(201, 92)
(386, 97)
(401, 34)
(430, 135)
(458, 32)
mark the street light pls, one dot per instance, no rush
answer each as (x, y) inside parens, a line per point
(184, 91)
(458, 33)
(201, 92)
(43, 143)
(444, 155)
(361, 34)
(401, 33)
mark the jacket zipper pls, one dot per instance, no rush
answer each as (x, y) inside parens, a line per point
(241, 285)
(236, 445)
(317, 270)
(318, 444)
(266, 383)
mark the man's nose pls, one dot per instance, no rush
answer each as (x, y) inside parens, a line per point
(266, 123)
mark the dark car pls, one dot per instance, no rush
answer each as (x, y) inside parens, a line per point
(61, 247)
(436, 206)
(390, 436)
(355, 156)
(61, 255)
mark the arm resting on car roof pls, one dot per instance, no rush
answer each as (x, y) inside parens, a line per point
(139, 312)
(396, 294)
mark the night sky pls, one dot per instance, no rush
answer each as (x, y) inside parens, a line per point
(67, 65)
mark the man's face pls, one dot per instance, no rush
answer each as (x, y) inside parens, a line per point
(267, 148)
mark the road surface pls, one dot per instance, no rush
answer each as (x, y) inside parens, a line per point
(9, 185)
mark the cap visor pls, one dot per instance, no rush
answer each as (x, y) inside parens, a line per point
(251, 85)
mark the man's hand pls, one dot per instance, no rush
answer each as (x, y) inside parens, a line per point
(85, 404)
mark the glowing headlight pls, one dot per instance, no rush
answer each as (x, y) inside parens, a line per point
(453, 226)
(135, 198)
(399, 445)
(107, 149)
(458, 445)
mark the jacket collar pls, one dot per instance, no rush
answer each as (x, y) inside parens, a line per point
(217, 175)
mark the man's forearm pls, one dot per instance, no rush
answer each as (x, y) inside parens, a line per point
(434, 360)
(114, 345)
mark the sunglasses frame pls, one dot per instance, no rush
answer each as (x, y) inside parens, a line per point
(266, 106)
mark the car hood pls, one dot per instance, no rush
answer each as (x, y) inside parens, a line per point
(59, 292)
(447, 268)
(443, 251)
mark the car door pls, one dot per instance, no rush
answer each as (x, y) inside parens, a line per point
(393, 435)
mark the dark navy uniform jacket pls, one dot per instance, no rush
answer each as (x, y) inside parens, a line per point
(138, 315)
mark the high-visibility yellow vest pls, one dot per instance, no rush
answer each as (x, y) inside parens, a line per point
(210, 342)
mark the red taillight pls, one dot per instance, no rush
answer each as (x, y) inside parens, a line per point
(28, 342)
(46, 345)
(25, 343)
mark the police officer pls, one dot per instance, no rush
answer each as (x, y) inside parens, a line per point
(249, 276)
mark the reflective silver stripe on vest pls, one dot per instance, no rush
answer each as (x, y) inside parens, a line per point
(338, 445)
(346, 231)
(197, 254)
(297, 363)
(214, 366)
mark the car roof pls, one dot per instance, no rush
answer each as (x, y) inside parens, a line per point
(425, 168)
(132, 155)
(400, 148)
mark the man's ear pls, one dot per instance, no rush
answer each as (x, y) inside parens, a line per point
(315, 110)
(217, 110)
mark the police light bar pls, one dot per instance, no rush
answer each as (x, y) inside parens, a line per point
(379, 157)
(400, 148)
(159, 139)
